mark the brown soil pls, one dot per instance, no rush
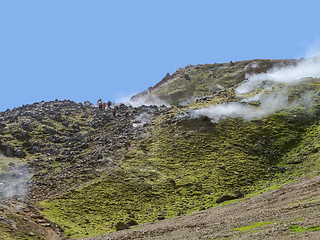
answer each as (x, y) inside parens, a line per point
(33, 220)
(293, 204)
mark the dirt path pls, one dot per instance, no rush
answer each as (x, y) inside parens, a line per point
(32, 220)
(293, 204)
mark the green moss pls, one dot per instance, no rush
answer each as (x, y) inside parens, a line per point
(175, 171)
(295, 228)
(253, 226)
(306, 201)
(182, 166)
(227, 238)
(299, 219)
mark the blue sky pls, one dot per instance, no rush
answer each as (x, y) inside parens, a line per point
(86, 50)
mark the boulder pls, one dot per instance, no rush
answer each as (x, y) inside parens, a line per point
(161, 217)
(121, 226)
(226, 197)
(49, 130)
(131, 222)
(21, 135)
(26, 126)
(238, 194)
(20, 153)
(7, 150)
(65, 123)
(27, 144)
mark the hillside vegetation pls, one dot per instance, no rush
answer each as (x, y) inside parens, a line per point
(86, 170)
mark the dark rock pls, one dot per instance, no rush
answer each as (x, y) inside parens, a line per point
(171, 182)
(36, 147)
(161, 217)
(26, 126)
(238, 194)
(20, 153)
(93, 123)
(202, 208)
(198, 186)
(75, 126)
(49, 130)
(226, 197)
(21, 135)
(27, 144)
(186, 76)
(222, 167)
(59, 158)
(121, 226)
(11, 165)
(65, 123)
(84, 146)
(296, 161)
(7, 150)
(131, 223)
(56, 139)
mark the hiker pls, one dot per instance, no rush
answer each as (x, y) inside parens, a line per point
(87, 104)
(104, 106)
(114, 111)
(127, 114)
(100, 104)
(109, 104)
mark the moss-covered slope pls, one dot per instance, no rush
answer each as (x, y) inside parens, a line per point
(184, 165)
(91, 170)
(197, 81)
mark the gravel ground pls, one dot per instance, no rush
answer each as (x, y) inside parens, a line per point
(293, 204)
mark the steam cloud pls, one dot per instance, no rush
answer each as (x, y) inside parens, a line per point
(269, 103)
(13, 181)
(306, 68)
(146, 100)
(270, 100)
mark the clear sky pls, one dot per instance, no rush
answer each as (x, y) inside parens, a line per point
(86, 50)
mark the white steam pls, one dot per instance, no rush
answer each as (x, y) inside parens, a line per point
(146, 100)
(141, 120)
(268, 104)
(13, 179)
(269, 99)
(307, 68)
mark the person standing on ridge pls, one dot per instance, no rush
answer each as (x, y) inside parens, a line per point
(104, 106)
(114, 111)
(100, 104)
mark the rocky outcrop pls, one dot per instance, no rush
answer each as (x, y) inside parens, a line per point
(7, 150)
(78, 137)
(121, 226)
(226, 197)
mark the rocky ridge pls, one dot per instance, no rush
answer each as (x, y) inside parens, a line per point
(51, 147)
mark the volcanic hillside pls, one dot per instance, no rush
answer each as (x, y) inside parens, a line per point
(218, 132)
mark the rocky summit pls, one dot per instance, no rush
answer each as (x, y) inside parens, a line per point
(208, 142)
